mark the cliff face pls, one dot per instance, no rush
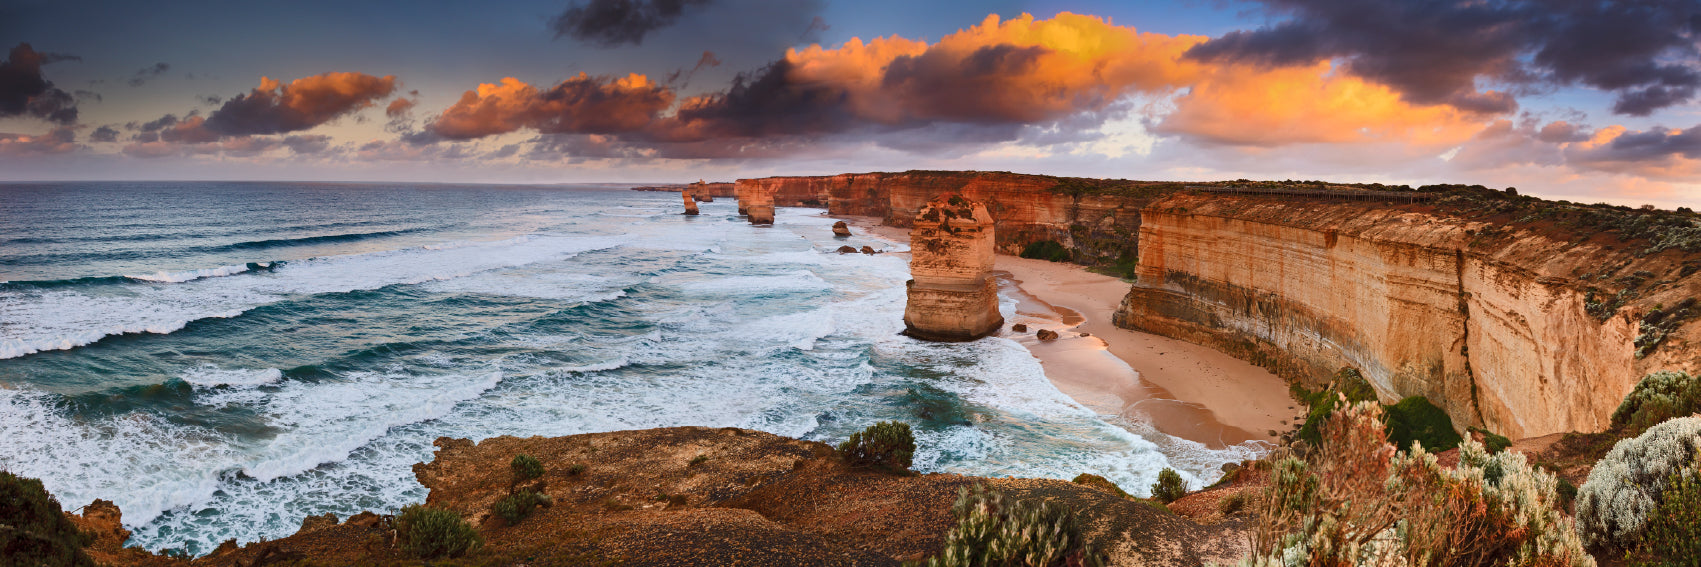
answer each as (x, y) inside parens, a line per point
(1495, 329)
(1098, 229)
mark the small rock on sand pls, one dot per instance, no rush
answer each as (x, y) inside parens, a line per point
(1020, 328)
(1046, 335)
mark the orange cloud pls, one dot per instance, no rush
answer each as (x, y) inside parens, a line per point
(580, 105)
(276, 108)
(1243, 105)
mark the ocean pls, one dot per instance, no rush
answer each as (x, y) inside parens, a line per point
(224, 359)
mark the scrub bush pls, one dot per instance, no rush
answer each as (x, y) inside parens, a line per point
(1628, 484)
(517, 506)
(992, 531)
(430, 533)
(1659, 396)
(33, 530)
(1358, 501)
(888, 444)
(1674, 529)
(1415, 419)
(526, 467)
(1169, 486)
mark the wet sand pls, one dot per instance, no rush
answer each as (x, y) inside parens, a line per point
(1182, 389)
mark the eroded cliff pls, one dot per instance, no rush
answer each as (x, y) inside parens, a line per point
(1524, 316)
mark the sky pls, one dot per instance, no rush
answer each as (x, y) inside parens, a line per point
(1583, 100)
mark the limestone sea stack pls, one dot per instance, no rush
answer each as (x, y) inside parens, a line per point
(690, 204)
(841, 230)
(741, 193)
(952, 296)
(760, 207)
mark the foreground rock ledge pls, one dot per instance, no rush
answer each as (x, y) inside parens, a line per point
(753, 499)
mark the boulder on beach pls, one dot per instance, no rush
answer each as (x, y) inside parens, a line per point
(1020, 328)
(869, 250)
(1046, 335)
(841, 230)
(847, 250)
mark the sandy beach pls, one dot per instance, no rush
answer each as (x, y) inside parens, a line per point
(1183, 389)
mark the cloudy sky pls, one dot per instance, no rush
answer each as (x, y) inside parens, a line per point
(1576, 99)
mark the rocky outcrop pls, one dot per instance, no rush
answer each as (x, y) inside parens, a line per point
(707, 496)
(1099, 226)
(690, 204)
(701, 190)
(952, 297)
(841, 230)
(1491, 325)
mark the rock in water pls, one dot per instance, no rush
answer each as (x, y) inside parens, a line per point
(869, 250)
(847, 250)
(841, 230)
(952, 298)
(1046, 335)
(756, 202)
(690, 204)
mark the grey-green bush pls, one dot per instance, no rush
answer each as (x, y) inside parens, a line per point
(1659, 396)
(515, 507)
(1628, 484)
(430, 533)
(994, 531)
(887, 444)
(1169, 487)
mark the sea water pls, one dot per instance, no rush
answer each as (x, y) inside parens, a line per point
(224, 359)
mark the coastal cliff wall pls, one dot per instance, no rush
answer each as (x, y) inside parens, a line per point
(1519, 315)
(1495, 328)
(1097, 229)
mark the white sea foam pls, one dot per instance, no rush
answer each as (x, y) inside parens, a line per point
(210, 375)
(180, 277)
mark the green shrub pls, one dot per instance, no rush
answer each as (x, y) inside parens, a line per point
(698, 460)
(1101, 483)
(526, 467)
(517, 506)
(1232, 503)
(1169, 486)
(1658, 397)
(38, 532)
(1349, 386)
(1047, 250)
(430, 533)
(994, 532)
(888, 444)
(1674, 528)
(1415, 419)
(576, 470)
(1492, 441)
(1629, 483)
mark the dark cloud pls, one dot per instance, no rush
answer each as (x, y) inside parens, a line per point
(24, 92)
(1438, 51)
(104, 134)
(277, 108)
(610, 23)
(145, 74)
(766, 102)
(682, 77)
(154, 125)
(56, 141)
(307, 144)
(977, 88)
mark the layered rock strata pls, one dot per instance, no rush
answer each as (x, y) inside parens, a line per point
(841, 230)
(952, 296)
(1496, 330)
(758, 205)
(690, 204)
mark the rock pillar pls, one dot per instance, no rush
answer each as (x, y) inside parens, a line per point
(760, 207)
(741, 193)
(952, 296)
(690, 204)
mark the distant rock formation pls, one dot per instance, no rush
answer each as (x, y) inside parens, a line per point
(758, 204)
(841, 230)
(690, 205)
(952, 297)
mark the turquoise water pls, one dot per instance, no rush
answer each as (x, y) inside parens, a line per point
(223, 359)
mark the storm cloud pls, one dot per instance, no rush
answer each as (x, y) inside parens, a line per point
(611, 23)
(25, 92)
(1437, 51)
